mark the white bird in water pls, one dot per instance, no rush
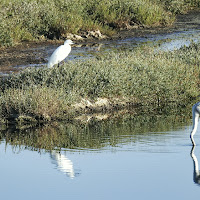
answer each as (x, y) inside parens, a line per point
(195, 117)
(60, 53)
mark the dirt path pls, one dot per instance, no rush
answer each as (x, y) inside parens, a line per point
(35, 52)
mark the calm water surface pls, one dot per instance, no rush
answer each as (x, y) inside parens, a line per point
(123, 160)
(166, 42)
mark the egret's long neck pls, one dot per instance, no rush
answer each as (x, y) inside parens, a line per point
(67, 46)
(195, 117)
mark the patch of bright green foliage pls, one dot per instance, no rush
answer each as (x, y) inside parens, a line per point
(30, 20)
(143, 76)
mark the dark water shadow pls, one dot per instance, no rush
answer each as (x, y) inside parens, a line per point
(94, 135)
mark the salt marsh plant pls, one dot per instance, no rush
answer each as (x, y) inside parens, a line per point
(180, 6)
(30, 19)
(143, 76)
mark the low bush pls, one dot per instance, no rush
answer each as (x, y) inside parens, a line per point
(143, 76)
(33, 19)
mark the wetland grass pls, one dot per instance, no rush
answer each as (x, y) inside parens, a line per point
(31, 20)
(143, 76)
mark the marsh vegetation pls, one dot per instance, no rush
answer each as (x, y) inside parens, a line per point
(32, 20)
(142, 76)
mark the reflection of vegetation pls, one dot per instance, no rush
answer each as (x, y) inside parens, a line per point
(93, 135)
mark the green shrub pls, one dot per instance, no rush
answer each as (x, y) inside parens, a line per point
(31, 19)
(39, 103)
(179, 6)
(142, 76)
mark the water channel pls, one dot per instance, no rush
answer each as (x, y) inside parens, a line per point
(137, 157)
(162, 42)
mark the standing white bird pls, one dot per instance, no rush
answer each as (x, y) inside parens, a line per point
(60, 53)
(195, 117)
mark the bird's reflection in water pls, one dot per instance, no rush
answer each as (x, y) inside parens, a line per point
(196, 175)
(63, 164)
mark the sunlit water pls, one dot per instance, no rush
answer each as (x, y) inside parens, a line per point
(137, 165)
(165, 41)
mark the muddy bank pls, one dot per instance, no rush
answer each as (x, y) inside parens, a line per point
(15, 58)
(26, 53)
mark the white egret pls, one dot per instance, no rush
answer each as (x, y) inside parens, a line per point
(60, 53)
(195, 117)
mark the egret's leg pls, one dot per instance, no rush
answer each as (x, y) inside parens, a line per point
(195, 117)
